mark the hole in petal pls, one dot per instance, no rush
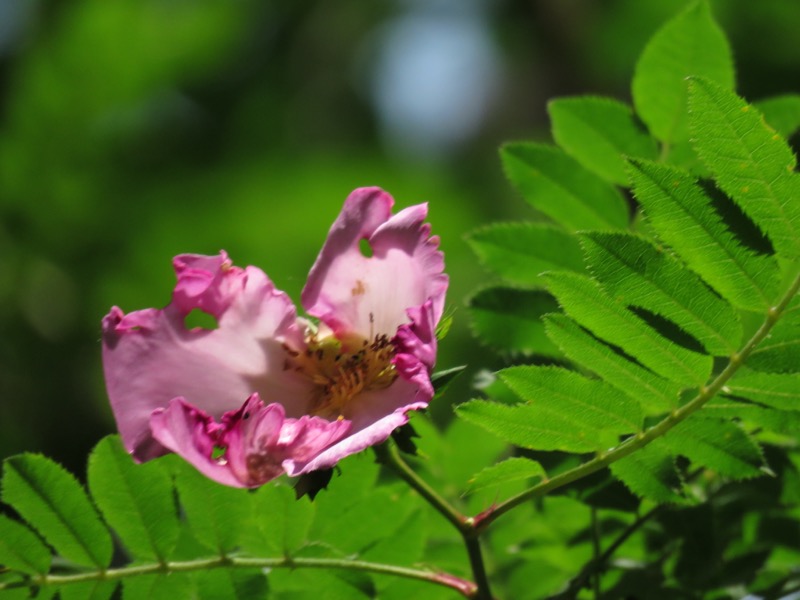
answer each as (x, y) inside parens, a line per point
(198, 319)
(366, 249)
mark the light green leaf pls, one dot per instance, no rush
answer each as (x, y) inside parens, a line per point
(231, 584)
(639, 274)
(598, 133)
(751, 162)
(527, 427)
(689, 44)
(556, 185)
(20, 548)
(780, 351)
(782, 113)
(510, 320)
(684, 218)
(218, 514)
(171, 586)
(511, 469)
(778, 390)
(650, 473)
(585, 301)
(781, 421)
(404, 546)
(280, 522)
(136, 500)
(519, 252)
(719, 445)
(655, 394)
(590, 404)
(54, 503)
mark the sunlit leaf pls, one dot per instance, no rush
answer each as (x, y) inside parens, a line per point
(751, 162)
(689, 44)
(599, 132)
(778, 390)
(650, 473)
(280, 523)
(55, 504)
(90, 590)
(170, 586)
(233, 584)
(558, 186)
(20, 548)
(511, 469)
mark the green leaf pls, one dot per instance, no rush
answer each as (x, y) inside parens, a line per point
(168, 586)
(719, 445)
(780, 351)
(519, 252)
(232, 584)
(89, 590)
(751, 162)
(689, 44)
(441, 380)
(510, 320)
(585, 301)
(54, 503)
(778, 390)
(556, 185)
(136, 500)
(781, 421)
(684, 218)
(527, 427)
(511, 469)
(217, 514)
(280, 522)
(642, 275)
(20, 548)
(655, 394)
(590, 404)
(650, 473)
(598, 133)
(782, 113)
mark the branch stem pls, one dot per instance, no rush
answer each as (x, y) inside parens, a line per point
(636, 442)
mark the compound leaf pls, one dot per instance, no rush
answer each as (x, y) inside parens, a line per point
(21, 549)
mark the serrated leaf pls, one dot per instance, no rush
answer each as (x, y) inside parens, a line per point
(751, 162)
(558, 186)
(650, 473)
(136, 500)
(782, 113)
(778, 390)
(780, 421)
(598, 133)
(217, 514)
(719, 445)
(689, 44)
(590, 404)
(231, 584)
(585, 301)
(519, 252)
(280, 522)
(510, 320)
(54, 503)
(511, 469)
(684, 218)
(21, 550)
(655, 394)
(780, 351)
(639, 274)
(524, 426)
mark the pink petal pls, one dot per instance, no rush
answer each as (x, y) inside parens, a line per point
(354, 294)
(149, 357)
(192, 434)
(416, 348)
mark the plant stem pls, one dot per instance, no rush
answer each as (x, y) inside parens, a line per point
(636, 442)
(466, 588)
(388, 455)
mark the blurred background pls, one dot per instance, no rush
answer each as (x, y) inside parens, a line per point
(134, 130)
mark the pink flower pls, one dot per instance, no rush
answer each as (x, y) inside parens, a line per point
(266, 392)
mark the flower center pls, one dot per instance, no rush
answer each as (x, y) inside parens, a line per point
(340, 370)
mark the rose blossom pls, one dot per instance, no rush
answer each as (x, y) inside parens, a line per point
(266, 392)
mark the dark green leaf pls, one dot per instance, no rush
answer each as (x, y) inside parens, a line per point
(751, 162)
(599, 132)
(638, 273)
(441, 380)
(519, 252)
(689, 44)
(136, 500)
(556, 185)
(510, 320)
(684, 218)
(585, 301)
(655, 394)
(20, 548)
(231, 584)
(171, 586)
(55, 504)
